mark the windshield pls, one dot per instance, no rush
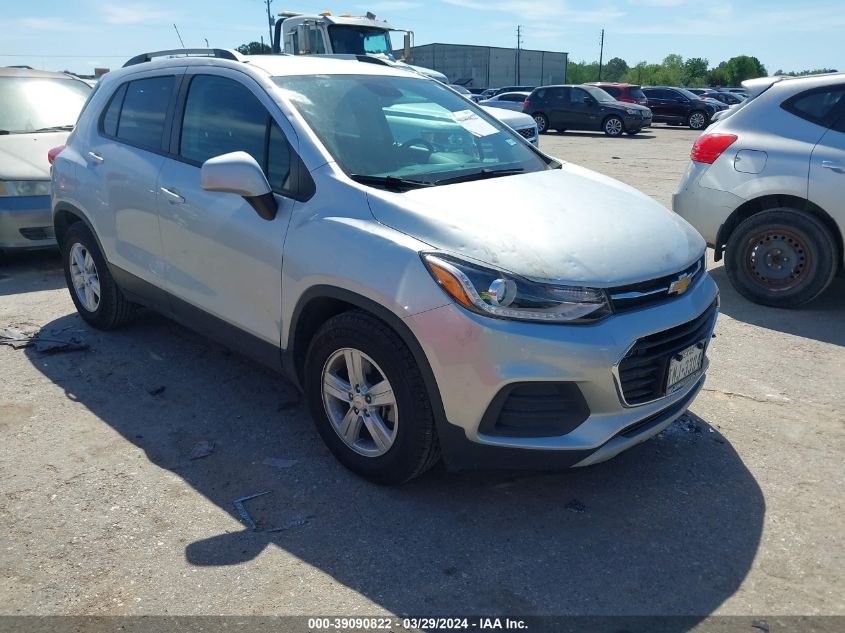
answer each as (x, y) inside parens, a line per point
(359, 40)
(598, 94)
(405, 127)
(29, 104)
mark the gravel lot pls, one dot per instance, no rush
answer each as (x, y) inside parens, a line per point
(735, 510)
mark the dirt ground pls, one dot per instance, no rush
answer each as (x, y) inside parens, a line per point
(104, 509)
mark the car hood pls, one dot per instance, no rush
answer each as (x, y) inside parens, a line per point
(626, 104)
(24, 156)
(568, 224)
(511, 118)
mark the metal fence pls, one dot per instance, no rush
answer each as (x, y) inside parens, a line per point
(491, 66)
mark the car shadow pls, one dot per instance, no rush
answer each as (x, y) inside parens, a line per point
(821, 319)
(643, 135)
(31, 272)
(670, 527)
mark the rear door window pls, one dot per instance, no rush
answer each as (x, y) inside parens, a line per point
(144, 111)
(820, 106)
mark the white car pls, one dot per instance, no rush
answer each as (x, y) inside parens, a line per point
(517, 121)
(765, 187)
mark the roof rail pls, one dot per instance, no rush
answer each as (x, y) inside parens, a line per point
(220, 53)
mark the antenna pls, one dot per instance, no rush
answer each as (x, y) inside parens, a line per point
(179, 36)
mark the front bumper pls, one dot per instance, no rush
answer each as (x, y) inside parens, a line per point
(26, 222)
(474, 357)
(635, 121)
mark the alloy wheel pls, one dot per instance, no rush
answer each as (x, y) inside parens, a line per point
(83, 273)
(697, 120)
(359, 402)
(613, 127)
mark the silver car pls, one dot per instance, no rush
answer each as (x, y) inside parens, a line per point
(506, 101)
(765, 188)
(37, 112)
(432, 281)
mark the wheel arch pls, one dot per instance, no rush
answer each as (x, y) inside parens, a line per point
(64, 215)
(764, 203)
(320, 303)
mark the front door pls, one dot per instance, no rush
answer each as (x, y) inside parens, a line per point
(584, 110)
(827, 173)
(222, 258)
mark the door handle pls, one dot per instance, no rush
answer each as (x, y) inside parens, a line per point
(837, 167)
(173, 196)
(95, 157)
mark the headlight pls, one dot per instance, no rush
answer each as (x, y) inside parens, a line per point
(506, 296)
(9, 188)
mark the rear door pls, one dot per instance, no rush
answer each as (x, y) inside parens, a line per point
(125, 152)
(222, 259)
(827, 163)
(557, 104)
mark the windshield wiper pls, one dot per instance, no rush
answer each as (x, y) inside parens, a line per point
(480, 175)
(391, 182)
(54, 128)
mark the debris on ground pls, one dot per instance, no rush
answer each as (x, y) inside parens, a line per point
(292, 524)
(202, 449)
(280, 463)
(575, 506)
(761, 625)
(45, 344)
(156, 390)
(242, 512)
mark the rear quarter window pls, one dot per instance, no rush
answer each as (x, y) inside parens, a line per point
(613, 91)
(820, 106)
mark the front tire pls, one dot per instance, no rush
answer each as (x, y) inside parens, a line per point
(95, 294)
(698, 120)
(613, 126)
(781, 258)
(368, 399)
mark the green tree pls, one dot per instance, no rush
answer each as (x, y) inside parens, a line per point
(582, 72)
(695, 72)
(718, 76)
(614, 70)
(253, 48)
(742, 67)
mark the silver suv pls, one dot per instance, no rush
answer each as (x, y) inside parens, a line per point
(765, 187)
(430, 279)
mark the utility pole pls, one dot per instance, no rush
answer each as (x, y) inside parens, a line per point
(601, 53)
(518, 52)
(269, 19)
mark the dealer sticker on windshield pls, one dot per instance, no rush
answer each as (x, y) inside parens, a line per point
(473, 123)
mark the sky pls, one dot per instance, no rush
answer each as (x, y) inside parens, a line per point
(80, 35)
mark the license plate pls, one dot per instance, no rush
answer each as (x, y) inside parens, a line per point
(684, 366)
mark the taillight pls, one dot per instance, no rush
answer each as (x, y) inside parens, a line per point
(525, 104)
(708, 147)
(51, 155)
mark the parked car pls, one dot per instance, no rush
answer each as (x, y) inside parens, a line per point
(506, 100)
(432, 282)
(462, 90)
(513, 89)
(519, 122)
(727, 98)
(489, 92)
(677, 106)
(584, 107)
(37, 112)
(765, 188)
(627, 93)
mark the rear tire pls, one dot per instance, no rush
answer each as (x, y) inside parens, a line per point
(613, 126)
(95, 294)
(781, 258)
(542, 122)
(408, 444)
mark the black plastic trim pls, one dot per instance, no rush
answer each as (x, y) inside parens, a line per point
(516, 412)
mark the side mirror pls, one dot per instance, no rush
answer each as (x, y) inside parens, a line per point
(681, 100)
(238, 173)
(590, 101)
(303, 37)
(407, 47)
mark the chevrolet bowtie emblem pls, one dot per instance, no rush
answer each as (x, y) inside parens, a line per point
(680, 285)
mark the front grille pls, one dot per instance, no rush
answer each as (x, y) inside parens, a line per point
(642, 373)
(527, 132)
(38, 233)
(645, 293)
(535, 409)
